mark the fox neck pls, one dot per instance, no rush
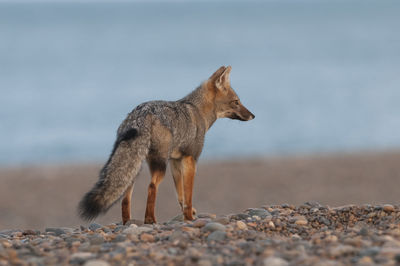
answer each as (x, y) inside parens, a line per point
(204, 101)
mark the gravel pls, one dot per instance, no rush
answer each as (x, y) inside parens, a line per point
(309, 234)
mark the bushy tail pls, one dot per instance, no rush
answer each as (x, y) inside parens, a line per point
(117, 174)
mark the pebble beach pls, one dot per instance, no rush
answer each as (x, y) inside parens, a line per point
(307, 234)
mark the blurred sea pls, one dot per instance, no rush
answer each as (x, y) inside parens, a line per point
(319, 75)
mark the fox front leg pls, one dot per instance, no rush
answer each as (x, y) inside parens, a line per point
(177, 173)
(188, 171)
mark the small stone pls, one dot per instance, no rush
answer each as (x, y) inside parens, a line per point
(240, 216)
(136, 230)
(81, 257)
(96, 239)
(94, 226)
(301, 222)
(275, 261)
(6, 244)
(365, 260)
(325, 221)
(331, 238)
(193, 252)
(120, 228)
(370, 252)
(271, 224)
(134, 222)
(296, 237)
(212, 226)
(172, 251)
(9, 232)
(262, 213)
(119, 238)
(59, 230)
(29, 232)
(363, 231)
(96, 263)
(204, 262)
(341, 250)
(200, 223)
(388, 208)
(177, 235)
(147, 237)
(241, 225)
(221, 220)
(207, 215)
(216, 236)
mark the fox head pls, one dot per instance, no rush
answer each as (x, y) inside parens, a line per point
(226, 102)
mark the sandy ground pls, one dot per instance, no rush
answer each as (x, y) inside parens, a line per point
(42, 196)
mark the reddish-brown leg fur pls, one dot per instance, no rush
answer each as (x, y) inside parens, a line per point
(188, 171)
(126, 205)
(176, 169)
(156, 178)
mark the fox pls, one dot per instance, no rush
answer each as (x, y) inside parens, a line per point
(161, 132)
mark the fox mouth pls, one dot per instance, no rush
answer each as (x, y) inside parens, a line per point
(237, 117)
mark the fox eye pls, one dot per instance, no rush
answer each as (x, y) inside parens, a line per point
(236, 102)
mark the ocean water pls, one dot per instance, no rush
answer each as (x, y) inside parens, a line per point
(320, 76)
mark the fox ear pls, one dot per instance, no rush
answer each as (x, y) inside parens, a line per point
(217, 73)
(223, 80)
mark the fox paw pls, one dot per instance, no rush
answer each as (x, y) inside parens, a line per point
(150, 220)
(188, 214)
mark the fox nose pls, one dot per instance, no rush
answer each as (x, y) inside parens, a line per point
(252, 116)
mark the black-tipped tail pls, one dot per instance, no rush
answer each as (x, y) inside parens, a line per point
(117, 175)
(90, 207)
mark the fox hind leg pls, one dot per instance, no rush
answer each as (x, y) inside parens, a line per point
(126, 205)
(176, 169)
(157, 170)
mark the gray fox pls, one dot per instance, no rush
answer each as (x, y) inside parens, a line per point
(162, 131)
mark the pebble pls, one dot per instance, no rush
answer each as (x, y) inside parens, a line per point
(301, 222)
(388, 208)
(119, 238)
(216, 236)
(213, 226)
(275, 261)
(207, 215)
(147, 237)
(341, 250)
(94, 226)
(136, 230)
(59, 231)
(222, 220)
(82, 256)
(310, 234)
(262, 213)
(96, 239)
(241, 225)
(240, 216)
(96, 263)
(200, 223)
(370, 252)
(177, 235)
